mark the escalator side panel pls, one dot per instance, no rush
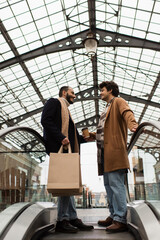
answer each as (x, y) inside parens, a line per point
(36, 216)
(140, 215)
(8, 216)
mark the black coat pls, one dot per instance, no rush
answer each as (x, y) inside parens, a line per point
(52, 124)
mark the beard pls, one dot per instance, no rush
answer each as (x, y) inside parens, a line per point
(68, 98)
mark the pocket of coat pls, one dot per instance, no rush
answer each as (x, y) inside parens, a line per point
(117, 143)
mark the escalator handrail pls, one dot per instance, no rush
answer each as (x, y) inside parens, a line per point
(12, 218)
(5, 131)
(132, 142)
(134, 137)
(140, 130)
(153, 208)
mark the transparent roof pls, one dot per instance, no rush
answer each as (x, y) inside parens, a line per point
(41, 49)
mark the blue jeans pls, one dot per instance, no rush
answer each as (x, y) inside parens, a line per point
(66, 208)
(116, 194)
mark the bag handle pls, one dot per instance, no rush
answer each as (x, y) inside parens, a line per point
(68, 146)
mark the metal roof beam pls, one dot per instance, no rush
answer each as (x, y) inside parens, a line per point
(92, 15)
(23, 65)
(92, 25)
(86, 95)
(107, 39)
(155, 85)
(114, 39)
(87, 122)
(68, 43)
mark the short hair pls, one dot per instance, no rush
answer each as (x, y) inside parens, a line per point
(110, 85)
(64, 88)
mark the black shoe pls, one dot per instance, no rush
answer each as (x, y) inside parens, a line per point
(80, 225)
(65, 227)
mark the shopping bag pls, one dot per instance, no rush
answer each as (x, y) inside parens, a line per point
(64, 174)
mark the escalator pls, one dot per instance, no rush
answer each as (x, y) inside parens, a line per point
(36, 221)
(27, 220)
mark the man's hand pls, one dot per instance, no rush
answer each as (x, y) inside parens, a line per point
(65, 141)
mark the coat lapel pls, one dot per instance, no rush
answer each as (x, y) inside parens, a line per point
(109, 108)
(107, 114)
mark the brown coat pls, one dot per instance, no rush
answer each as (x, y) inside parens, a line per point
(119, 118)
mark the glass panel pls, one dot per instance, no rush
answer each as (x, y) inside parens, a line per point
(24, 172)
(21, 153)
(144, 178)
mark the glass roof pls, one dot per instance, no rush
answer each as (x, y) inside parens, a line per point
(41, 49)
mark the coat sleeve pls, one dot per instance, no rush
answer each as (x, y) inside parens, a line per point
(80, 137)
(48, 119)
(127, 114)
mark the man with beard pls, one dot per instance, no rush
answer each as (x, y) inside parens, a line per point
(59, 129)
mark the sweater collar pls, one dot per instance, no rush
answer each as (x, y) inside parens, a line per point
(110, 101)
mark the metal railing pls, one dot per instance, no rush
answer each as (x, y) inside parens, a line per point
(87, 199)
(141, 129)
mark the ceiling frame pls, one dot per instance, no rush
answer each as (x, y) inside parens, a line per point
(86, 95)
(126, 41)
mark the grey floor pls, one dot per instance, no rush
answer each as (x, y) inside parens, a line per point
(90, 216)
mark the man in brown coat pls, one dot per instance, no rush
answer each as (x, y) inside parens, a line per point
(113, 161)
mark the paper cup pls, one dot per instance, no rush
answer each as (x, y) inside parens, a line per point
(85, 132)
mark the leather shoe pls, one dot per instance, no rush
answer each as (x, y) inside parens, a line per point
(105, 223)
(65, 227)
(117, 227)
(80, 225)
